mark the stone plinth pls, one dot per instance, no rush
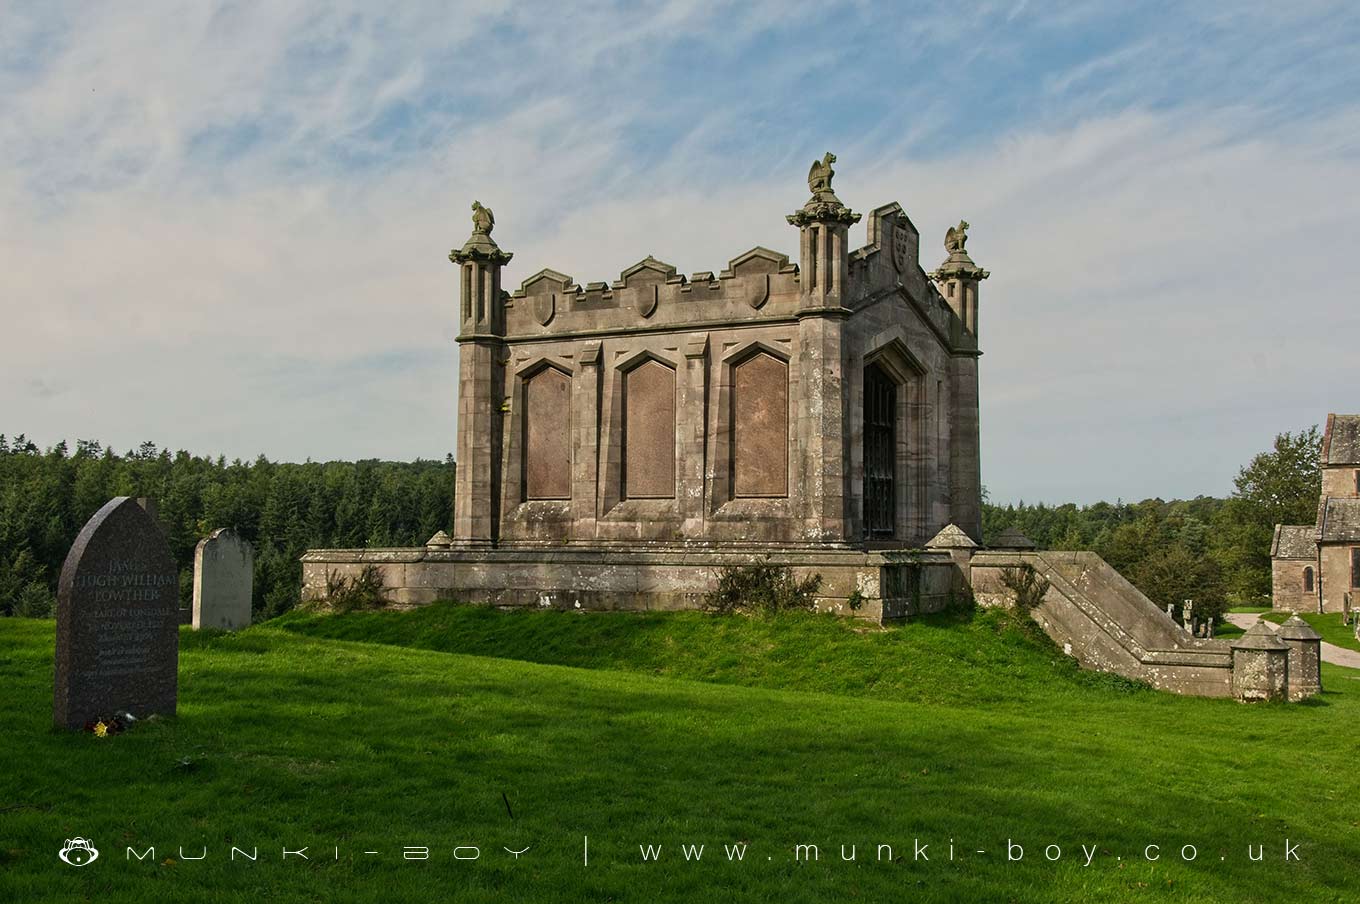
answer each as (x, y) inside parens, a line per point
(224, 573)
(1260, 667)
(1305, 657)
(869, 585)
(117, 645)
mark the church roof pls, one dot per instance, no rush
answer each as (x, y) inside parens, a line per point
(1294, 541)
(1340, 520)
(951, 536)
(1341, 441)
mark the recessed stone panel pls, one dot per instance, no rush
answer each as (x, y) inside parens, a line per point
(760, 427)
(649, 432)
(547, 435)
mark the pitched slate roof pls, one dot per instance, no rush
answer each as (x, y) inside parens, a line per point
(1340, 520)
(1294, 541)
(1341, 441)
(1012, 538)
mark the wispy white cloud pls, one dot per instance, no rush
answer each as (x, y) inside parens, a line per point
(225, 227)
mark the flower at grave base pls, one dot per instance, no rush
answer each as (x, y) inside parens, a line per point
(101, 730)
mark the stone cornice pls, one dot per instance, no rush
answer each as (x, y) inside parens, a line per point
(834, 312)
(959, 271)
(823, 211)
(480, 252)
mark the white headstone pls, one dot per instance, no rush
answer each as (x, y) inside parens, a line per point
(224, 570)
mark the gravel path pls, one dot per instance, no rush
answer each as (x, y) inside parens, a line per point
(1330, 651)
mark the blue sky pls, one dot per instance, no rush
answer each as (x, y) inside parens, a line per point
(224, 226)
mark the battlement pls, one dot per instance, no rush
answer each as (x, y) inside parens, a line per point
(759, 285)
(651, 294)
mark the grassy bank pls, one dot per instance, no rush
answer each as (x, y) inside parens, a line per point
(954, 657)
(289, 735)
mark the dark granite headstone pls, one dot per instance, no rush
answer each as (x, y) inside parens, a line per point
(117, 620)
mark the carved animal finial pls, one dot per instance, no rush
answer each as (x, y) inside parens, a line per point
(956, 237)
(482, 220)
(819, 177)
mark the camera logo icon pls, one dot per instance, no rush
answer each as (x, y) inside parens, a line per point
(78, 852)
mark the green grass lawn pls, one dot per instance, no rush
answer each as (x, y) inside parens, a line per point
(668, 730)
(1327, 624)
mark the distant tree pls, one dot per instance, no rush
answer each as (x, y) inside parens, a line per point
(1276, 487)
(1282, 486)
(1171, 574)
(283, 509)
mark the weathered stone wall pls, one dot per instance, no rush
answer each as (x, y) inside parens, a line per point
(1340, 481)
(874, 586)
(1335, 563)
(1287, 592)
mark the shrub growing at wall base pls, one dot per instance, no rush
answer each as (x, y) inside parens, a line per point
(762, 588)
(361, 591)
(1027, 584)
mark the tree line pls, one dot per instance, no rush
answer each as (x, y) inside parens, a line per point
(1214, 551)
(283, 509)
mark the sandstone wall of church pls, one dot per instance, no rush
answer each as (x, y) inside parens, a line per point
(1287, 593)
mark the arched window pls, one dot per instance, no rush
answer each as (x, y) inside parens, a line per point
(880, 452)
(1308, 579)
(547, 435)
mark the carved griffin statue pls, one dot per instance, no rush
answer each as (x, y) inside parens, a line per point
(819, 177)
(482, 219)
(956, 237)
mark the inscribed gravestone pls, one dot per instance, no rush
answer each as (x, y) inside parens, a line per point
(224, 567)
(117, 620)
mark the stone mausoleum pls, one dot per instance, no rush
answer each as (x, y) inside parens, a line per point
(620, 442)
(1316, 567)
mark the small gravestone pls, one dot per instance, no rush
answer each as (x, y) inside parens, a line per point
(224, 567)
(117, 620)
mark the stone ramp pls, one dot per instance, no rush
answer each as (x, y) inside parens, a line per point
(1107, 624)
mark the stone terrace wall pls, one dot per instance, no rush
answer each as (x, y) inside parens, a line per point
(874, 586)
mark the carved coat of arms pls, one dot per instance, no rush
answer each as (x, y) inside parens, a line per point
(647, 303)
(544, 307)
(901, 247)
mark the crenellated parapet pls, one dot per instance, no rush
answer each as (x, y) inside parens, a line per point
(756, 285)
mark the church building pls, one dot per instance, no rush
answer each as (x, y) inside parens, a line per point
(1316, 567)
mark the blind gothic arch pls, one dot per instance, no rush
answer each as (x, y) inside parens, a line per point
(760, 425)
(546, 430)
(648, 430)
